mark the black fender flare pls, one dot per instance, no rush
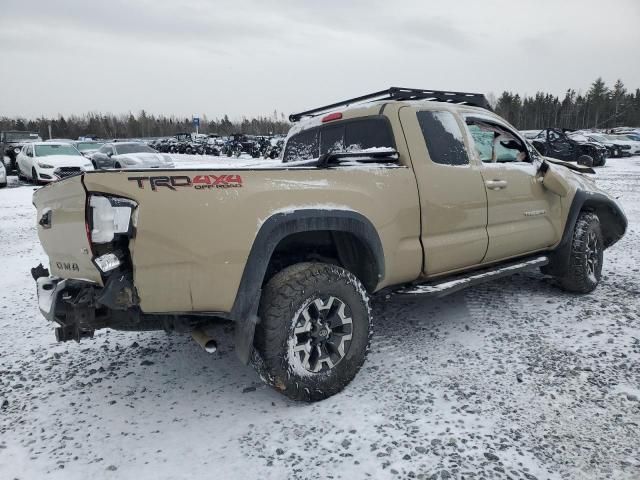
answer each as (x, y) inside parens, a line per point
(612, 219)
(278, 226)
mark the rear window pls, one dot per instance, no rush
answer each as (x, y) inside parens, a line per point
(348, 135)
(443, 137)
(302, 146)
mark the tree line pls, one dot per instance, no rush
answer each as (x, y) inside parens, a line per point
(142, 125)
(600, 107)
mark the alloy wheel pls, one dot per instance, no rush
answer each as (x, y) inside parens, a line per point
(322, 334)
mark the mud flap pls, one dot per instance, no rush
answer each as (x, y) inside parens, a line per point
(245, 330)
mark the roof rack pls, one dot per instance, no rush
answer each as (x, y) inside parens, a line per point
(398, 94)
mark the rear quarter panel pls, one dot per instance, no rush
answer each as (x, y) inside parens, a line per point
(191, 245)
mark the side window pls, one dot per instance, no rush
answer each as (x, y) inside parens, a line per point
(443, 138)
(29, 151)
(103, 149)
(367, 133)
(495, 143)
(483, 141)
(553, 136)
(302, 146)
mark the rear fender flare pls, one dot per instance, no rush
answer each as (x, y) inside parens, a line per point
(271, 232)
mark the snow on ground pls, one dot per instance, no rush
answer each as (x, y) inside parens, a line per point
(512, 379)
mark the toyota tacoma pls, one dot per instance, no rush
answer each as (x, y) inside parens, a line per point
(400, 192)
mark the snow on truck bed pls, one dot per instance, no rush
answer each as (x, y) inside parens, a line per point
(509, 378)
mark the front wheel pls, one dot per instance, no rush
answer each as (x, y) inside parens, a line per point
(314, 332)
(586, 255)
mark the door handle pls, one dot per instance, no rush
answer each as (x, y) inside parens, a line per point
(496, 184)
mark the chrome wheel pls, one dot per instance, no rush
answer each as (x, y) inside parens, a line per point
(592, 254)
(322, 334)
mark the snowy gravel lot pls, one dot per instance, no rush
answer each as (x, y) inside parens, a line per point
(512, 379)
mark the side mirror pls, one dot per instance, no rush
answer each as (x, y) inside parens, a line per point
(110, 154)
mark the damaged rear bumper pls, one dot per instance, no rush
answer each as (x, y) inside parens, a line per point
(81, 307)
(49, 289)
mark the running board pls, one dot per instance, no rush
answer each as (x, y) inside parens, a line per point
(440, 288)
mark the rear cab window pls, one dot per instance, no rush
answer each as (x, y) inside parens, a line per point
(443, 137)
(343, 136)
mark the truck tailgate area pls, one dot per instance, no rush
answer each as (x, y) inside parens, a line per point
(62, 229)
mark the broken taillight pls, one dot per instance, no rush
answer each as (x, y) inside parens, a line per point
(109, 216)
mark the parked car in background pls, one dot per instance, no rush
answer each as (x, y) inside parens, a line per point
(555, 143)
(43, 162)
(616, 149)
(627, 140)
(11, 142)
(3, 175)
(633, 136)
(87, 147)
(129, 155)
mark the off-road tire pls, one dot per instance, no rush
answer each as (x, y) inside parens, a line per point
(586, 255)
(284, 298)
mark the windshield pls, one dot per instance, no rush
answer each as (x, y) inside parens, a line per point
(84, 146)
(47, 150)
(133, 148)
(17, 136)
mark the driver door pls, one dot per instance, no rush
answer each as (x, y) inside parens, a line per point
(523, 216)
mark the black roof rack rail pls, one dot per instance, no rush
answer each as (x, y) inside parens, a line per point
(398, 94)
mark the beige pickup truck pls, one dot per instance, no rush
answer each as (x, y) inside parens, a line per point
(412, 192)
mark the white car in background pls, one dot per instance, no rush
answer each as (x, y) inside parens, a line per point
(43, 162)
(634, 145)
(3, 174)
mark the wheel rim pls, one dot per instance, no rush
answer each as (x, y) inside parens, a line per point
(592, 257)
(322, 334)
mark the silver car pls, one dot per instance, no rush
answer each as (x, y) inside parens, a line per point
(129, 155)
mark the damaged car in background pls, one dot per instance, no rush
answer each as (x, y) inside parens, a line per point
(558, 143)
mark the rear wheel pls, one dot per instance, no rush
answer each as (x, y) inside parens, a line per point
(314, 332)
(586, 255)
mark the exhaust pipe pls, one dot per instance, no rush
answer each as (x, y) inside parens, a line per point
(205, 341)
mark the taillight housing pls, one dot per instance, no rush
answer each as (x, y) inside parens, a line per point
(110, 216)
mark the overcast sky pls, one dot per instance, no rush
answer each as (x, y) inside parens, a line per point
(251, 57)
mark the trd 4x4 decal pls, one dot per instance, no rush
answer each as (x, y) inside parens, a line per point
(199, 182)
